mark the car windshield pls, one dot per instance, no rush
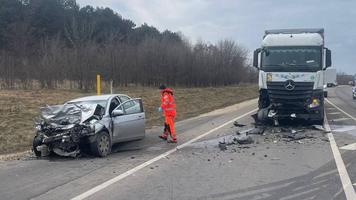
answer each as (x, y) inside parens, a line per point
(287, 59)
(100, 102)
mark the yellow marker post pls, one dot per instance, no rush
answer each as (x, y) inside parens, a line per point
(98, 87)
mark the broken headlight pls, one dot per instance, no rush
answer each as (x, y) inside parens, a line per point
(315, 103)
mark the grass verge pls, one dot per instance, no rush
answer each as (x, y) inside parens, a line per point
(19, 108)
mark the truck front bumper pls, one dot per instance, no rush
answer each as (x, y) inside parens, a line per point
(309, 108)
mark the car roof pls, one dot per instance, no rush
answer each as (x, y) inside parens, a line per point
(97, 97)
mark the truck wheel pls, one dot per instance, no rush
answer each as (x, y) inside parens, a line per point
(325, 94)
(102, 144)
(263, 100)
(35, 143)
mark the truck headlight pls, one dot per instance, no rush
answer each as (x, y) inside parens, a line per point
(315, 103)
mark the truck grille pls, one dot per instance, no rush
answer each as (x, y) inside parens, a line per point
(299, 95)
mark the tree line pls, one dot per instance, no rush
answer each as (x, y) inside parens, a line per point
(46, 43)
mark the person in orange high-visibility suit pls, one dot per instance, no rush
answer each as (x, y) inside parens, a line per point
(168, 106)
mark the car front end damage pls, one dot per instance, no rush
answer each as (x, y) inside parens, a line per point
(65, 129)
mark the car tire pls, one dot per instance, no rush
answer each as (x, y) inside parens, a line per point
(102, 144)
(35, 143)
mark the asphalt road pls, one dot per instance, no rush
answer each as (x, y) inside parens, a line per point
(270, 168)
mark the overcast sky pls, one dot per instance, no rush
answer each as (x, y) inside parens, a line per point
(244, 21)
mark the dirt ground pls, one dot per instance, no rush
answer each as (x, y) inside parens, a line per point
(19, 108)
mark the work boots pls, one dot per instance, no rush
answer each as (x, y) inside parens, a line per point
(172, 141)
(163, 136)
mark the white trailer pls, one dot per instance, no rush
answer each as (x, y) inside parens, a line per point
(330, 77)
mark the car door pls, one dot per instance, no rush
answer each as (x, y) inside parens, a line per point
(131, 124)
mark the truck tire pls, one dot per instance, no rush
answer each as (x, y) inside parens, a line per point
(101, 146)
(35, 143)
(263, 101)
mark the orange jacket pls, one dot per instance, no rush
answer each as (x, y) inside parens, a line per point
(168, 104)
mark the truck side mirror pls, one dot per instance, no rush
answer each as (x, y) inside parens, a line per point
(255, 57)
(328, 58)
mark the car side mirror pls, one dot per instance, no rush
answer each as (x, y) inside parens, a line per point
(328, 58)
(255, 57)
(116, 113)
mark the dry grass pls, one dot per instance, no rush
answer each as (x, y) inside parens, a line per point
(19, 108)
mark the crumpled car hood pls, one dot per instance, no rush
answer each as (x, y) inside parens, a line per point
(68, 115)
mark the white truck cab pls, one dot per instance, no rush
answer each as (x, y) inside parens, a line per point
(291, 64)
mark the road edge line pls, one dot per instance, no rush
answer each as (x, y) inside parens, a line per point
(157, 158)
(340, 165)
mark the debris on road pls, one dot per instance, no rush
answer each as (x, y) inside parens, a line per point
(222, 146)
(237, 124)
(269, 134)
(243, 139)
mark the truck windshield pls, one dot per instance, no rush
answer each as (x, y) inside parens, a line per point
(291, 59)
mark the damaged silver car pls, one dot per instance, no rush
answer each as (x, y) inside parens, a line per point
(94, 122)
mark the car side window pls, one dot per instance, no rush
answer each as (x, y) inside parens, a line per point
(124, 98)
(132, 107)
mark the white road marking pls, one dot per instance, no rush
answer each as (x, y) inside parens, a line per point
(349, 147)
(334, 113)
(147, 163)
(327, 100)
(341, 128)
(344, 176)
(340, 119)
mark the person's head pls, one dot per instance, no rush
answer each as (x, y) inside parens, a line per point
(162, 88)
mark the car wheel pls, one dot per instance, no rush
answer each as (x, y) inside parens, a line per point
(102, 145)
(36, 142)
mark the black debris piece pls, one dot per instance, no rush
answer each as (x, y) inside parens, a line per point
(237, 124)
(222, 146)
(256, 131)
(294, 136)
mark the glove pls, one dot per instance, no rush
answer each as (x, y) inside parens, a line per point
(159, 109)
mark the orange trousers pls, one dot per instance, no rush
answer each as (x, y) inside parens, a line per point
(169, 120)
